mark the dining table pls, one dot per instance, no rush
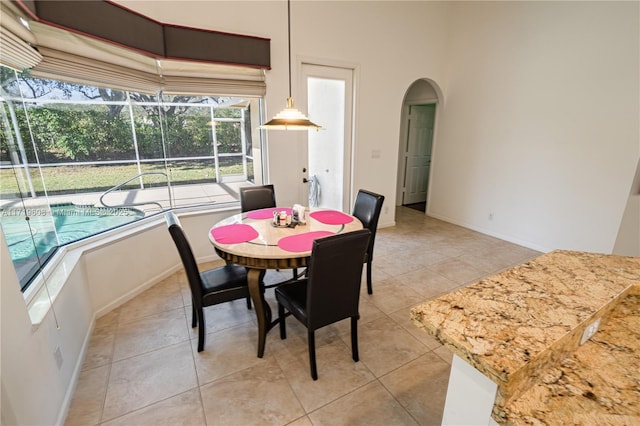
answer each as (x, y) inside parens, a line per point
(253, 239)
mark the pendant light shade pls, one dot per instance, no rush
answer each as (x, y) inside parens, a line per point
(289, 118)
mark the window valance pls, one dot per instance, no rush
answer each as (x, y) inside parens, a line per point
(146, 75)
(15, 50)
(110, 22)
(75, 57)
(15, 53)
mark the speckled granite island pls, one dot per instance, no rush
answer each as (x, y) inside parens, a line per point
(523, 351)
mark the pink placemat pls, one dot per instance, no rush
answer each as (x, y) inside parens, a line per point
(301, 242)
(234, 234)
(267, 213)
(331, 217)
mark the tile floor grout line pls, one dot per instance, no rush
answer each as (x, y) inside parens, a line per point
(149, 405)
(112, 353)
(399, 403)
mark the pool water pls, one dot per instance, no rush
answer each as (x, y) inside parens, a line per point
(49, 227)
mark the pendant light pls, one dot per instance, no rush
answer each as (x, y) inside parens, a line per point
(289, 118)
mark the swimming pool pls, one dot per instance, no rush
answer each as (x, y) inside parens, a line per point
(49, 227)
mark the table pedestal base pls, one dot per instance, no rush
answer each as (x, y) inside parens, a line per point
(255, 270)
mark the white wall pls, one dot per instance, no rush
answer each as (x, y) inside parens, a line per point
(628, 240)
(541, 121)
(539, 124)
(33, 387)
(391, 43)
(420, 92)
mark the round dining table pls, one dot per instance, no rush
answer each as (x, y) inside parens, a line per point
(253, 240)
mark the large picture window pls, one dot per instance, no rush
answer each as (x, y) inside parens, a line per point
(76, 160)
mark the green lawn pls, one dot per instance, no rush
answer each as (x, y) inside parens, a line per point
(79, 179)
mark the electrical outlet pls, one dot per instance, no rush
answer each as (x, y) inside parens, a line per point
(590, 331)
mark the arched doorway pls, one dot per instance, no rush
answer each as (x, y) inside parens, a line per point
(415, 149)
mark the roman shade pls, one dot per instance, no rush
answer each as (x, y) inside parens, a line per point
(151, 76)
(15, 50)
(59, 65)
(15, 53)
(107, 21)
(143, 56)
(198, 78)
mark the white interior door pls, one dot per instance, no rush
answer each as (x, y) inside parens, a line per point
(418, 153)
(327, 155)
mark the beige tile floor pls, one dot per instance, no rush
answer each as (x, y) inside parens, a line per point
(142, 366)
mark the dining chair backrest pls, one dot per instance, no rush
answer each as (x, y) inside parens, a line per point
(257, 197)
(210, 287)
(186, 255)
(334, 274)
(367, 209)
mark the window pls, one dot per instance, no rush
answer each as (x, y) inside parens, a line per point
(76, 160)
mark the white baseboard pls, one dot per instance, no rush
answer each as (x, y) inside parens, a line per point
(509, 238)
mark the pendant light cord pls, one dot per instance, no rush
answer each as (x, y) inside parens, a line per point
(290, 118)
(289, 40)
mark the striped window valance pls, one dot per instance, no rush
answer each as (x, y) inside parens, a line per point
(166, 76)
(16, 51)
(80, 58)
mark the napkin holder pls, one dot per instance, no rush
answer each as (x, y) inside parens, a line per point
(298, 214)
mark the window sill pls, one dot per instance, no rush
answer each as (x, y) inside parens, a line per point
(46, 287)
(42, 293)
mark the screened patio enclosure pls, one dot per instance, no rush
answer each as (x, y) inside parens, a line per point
(126, 154)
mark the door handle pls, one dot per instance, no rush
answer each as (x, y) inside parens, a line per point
(305, 180)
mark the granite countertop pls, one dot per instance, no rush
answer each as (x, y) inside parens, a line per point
(598, 384)
(516, 327)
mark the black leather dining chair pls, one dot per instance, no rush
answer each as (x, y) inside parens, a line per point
(257, 197)
(367, 208)
(330, 291)
(208, 288)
